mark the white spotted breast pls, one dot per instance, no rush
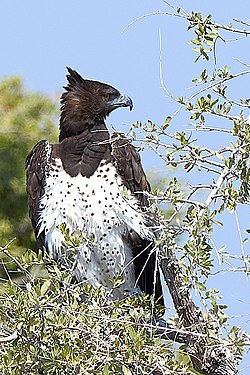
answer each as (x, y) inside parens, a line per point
(102, 212)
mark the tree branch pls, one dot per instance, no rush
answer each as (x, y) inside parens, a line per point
(209, 356)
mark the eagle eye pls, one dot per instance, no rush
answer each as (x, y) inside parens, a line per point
(107, 97)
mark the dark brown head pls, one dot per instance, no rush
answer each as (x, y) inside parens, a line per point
(87, 103)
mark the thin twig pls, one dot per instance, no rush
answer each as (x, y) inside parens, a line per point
(241, 240)
(160, 71)
(19, 265)
(210, 86)
(156, 13)
(241, 62)
(242, 22)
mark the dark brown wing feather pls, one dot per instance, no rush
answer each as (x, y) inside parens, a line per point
(128, 164)
(36, 163)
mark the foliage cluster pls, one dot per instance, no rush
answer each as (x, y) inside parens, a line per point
(25, 118)
(49, 326)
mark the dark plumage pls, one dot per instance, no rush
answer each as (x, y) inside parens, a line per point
(94, 183)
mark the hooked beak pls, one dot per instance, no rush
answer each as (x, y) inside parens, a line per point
(123, 101)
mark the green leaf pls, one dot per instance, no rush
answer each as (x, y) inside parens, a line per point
(166, 123)
(106, 369)
(44, 288)
(126, 370)
(200, 286)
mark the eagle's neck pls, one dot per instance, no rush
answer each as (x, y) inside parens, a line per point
(83, 151)
(74, 128)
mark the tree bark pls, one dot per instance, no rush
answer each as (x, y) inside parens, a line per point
(209, 356)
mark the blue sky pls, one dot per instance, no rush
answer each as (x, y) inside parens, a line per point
(39, 38)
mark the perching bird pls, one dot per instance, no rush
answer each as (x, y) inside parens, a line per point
(92, 185)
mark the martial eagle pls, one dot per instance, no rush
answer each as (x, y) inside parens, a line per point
(92, 184)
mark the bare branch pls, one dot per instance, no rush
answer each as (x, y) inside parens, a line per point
(232, 29)
(9, 338)
(19, 265)
(156, 13)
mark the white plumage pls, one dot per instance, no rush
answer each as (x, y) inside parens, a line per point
(100, 210)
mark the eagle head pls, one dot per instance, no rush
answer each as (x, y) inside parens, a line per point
(87, 103)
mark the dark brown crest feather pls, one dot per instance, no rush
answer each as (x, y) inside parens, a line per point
(73, 78)
(82, 104)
